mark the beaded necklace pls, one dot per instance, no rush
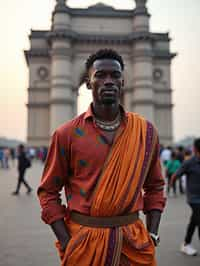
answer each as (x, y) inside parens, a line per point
(109, 126)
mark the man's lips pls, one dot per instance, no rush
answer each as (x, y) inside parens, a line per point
(109, 91)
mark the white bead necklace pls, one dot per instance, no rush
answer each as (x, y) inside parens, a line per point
(109, 126)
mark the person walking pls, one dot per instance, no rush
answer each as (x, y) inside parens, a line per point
(171, 167)
(107, 160)
(23, 164)
(191, 168)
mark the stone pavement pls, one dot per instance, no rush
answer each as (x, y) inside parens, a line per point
(26, 241)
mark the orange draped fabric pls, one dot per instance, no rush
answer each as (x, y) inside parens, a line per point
(118, 185)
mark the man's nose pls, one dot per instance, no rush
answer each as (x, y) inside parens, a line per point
(108, 80)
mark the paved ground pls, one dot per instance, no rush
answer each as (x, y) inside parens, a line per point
(26, 241)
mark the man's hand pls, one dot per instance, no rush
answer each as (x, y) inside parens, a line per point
(61, 233)
(153, 221)
(64, 243)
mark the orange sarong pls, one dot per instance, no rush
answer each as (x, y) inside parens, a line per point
(121, 181)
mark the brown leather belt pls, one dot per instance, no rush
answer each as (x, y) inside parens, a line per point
(112, 221)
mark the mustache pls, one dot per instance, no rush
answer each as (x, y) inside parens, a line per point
(111, 87)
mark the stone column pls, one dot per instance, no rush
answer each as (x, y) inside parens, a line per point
(143, 93)
(62, 95)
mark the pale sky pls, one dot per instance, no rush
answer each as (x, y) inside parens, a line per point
(179, 17)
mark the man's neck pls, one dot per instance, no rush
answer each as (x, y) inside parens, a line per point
(106, 112)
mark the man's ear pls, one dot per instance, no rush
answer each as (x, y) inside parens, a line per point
(87, 81)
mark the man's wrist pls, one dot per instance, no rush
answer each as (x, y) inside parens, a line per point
(64, 243)
(61, 233)
(155, 238)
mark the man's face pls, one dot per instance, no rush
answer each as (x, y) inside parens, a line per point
(105, 81)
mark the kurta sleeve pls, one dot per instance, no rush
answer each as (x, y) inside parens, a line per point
(154, 185)
(54, 177)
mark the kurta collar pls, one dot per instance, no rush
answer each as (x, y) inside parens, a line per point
(89, 113)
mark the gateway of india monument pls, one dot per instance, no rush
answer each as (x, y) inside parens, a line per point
(56, 66)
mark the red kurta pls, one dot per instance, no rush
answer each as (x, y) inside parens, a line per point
(75, 159)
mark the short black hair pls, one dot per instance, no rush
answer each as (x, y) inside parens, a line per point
(174, 155)
(104, 54)
(21, 146)
(197, 144)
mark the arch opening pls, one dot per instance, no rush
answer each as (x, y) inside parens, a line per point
(84, 99)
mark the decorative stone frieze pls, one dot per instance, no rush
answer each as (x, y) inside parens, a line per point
(37, 105)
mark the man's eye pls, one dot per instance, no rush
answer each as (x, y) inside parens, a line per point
(99, 74)
(116, 75)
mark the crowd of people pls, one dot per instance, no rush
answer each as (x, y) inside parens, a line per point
(172, 159)
(8, 156)
(183, 165)
(22, 158)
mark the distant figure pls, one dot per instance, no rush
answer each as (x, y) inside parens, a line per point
(40, 154)
(191, 168)
(180, 156)
(44, 154)
(165, 155)
(32, 153)
(6, 152)
(1, 158)
(23, 164)
(187, 156)
(13, 156)
(171, 167)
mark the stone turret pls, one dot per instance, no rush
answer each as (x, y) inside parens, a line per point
(141, 17)
(61, 19)
(141, 3)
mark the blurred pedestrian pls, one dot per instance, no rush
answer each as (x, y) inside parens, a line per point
(1, 158)
(191, 168)
(32, 153)
(180, 153)
(165, 155)
(6, 152)
(13, 156)
(171, 167)
(44, 154)
(23, 164)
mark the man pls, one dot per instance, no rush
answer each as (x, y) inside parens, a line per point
(108, 162)
(23, 164)
(191, 168)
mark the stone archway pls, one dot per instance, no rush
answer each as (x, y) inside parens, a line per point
(57, 56)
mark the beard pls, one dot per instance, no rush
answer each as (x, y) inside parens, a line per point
(111, 97)
(109, 101)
